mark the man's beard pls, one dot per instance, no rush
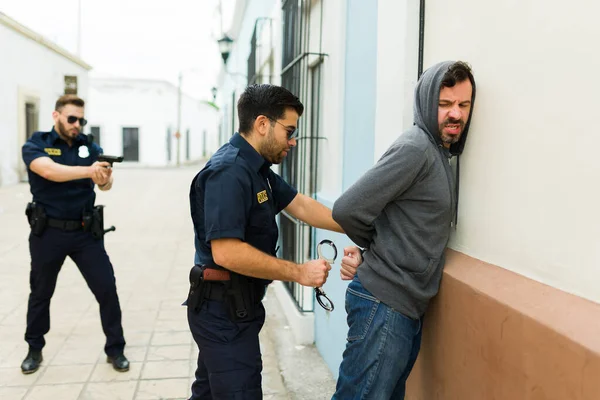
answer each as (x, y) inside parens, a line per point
(66, 133)
(451, 139)
(271, 150)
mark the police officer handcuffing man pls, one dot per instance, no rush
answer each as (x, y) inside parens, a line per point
(63, 171)
(234, 200)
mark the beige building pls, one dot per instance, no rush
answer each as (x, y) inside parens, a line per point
(518, 315)
(38, 73)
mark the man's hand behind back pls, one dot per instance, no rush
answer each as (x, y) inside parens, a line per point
(350, 262)
(314, 273)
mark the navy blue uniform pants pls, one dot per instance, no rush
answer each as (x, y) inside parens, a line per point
(229, 359)
(48, 253)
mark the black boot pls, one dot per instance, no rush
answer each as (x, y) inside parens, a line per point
(32, 362)
(119, 363)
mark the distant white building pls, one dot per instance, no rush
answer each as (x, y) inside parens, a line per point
(35, 72)
(138, 118)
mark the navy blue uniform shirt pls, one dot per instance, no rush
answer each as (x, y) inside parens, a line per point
(62, 200)
(236, 195)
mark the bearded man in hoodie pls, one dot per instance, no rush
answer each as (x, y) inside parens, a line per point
(401, 212)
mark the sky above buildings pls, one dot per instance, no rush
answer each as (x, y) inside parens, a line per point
(135, 38)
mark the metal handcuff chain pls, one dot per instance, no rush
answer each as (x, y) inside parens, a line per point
(322, 298)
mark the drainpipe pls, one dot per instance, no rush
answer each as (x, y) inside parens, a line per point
(421, 36)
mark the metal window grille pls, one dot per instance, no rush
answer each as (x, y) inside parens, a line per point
(254, 74)
(252, 58)
(299, 168)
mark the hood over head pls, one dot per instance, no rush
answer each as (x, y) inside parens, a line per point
(427, 95)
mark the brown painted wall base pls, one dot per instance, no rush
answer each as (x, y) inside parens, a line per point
(492, 334)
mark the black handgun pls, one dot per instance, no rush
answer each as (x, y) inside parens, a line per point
(110, 159)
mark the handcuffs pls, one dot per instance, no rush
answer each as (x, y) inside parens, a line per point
(322, 298)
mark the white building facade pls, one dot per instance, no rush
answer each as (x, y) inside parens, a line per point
(139, 119)
(35, 73)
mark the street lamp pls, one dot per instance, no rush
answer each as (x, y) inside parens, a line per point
(225, 45)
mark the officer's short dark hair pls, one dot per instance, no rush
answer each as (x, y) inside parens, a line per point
(458, 72)
(68, 99)
(264, 99)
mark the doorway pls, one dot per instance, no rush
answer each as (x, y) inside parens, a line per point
(28, 123)
(131, 145)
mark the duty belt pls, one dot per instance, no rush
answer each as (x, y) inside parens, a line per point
(64, 225)
(218, 291)
(215, 291)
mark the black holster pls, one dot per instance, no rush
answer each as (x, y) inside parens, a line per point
(36, 216)
(240, 293)
(241, 298)
(86, 221)
(97, 222)
(197, 288)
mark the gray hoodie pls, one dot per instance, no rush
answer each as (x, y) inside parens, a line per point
(401, 210)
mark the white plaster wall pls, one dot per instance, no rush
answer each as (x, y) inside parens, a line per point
(150, 106)
(333, 43)
(529, 183)
(31, 69)
(268, 46)
(397, 70)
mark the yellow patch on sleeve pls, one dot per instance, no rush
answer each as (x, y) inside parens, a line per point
(262, 196)
(53, 152)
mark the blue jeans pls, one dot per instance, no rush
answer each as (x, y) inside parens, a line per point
(382, 348)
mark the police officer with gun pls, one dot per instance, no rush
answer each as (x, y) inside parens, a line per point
(63, 169)
(234, 202)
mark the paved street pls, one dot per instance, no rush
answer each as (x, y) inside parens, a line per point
(152, 251)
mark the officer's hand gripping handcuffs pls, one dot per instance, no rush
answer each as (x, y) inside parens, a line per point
(322, 298)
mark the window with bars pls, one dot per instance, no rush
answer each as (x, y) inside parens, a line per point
(256, 74)
(252, 58)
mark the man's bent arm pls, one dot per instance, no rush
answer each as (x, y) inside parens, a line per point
(52, 171)
(240, 257)
(312, 212)
(357, 208)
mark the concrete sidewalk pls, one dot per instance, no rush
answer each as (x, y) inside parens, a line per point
(152, 251)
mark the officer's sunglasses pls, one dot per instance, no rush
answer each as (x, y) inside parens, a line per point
(290, 134)
(72, 119)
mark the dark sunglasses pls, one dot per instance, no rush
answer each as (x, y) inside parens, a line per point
(72, 119)
(291, 134)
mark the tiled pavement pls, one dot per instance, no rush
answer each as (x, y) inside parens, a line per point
(151, 251)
